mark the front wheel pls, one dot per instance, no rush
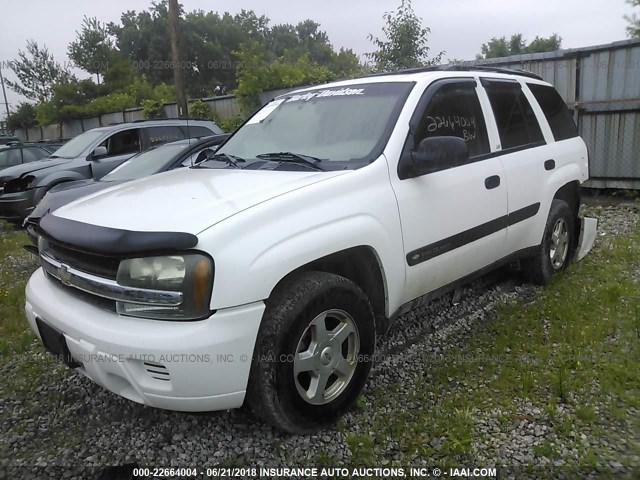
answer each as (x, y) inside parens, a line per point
(313, 353)
(557, 248)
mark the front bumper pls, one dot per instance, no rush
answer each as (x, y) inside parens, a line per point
(186, 366)
(17, 206)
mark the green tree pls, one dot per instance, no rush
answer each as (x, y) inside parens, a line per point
(143, 39)
(37, 73)
(199, 109)
(257, 72)
(501, 47)
(210, 41)
(22, 117)
(495, 48)
(93, 49)
(542, 44)
(633, 29)
(405, 45)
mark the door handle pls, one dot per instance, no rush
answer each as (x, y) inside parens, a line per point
(549, 164)
(492, 182)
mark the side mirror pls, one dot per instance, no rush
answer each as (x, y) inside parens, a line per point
(100, 151)
(434, 154)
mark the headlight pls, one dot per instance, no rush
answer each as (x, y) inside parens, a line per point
(191, 274)
(18, 184)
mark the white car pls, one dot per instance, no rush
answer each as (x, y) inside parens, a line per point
(264, 274)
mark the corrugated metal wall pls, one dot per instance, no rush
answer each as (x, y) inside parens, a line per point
(602, 85)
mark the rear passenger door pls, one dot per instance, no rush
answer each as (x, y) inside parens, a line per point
(452, 219)
(120, 147)
(523, 151)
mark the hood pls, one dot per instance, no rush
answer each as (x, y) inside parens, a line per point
(186, 200)
(19, 170)
(67, 192)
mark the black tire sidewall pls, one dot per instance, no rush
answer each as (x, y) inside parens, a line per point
(559, 209)
(290, 400)
(272, 389)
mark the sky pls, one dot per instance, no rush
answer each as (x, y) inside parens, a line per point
(458, 27)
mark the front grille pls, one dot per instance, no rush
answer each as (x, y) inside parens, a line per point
(95, 300)
(100, 265)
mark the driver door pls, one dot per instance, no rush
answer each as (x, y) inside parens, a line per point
(120, 147)
(454, 219)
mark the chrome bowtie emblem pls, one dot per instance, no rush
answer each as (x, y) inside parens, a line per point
(65, 275)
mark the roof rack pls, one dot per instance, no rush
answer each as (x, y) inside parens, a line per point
(460, 68)
(485, 68)
(142, 120)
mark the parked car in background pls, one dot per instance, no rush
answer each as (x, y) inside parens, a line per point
(155, 160)
(90, 155)
(16, 153)
(4, 139)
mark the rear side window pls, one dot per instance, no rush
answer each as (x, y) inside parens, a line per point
(517, 122)
(558, 115)
(196, 131)
(455, 111)
(159, 135)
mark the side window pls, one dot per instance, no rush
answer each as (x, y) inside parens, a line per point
(122, 143)
(558, 115)
(517, 122)
(31, 154)
(158, 135)
(199, 156)
(10, 157)
(196, 131)
(455, 111)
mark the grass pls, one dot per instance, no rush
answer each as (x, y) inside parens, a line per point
(573, 349)
(14, 334)
(572, 352)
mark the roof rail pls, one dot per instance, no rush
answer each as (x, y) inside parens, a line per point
(142, 120)
(460, 68)
(484, 68)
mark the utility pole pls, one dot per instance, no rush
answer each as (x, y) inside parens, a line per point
(178, 78)
(4, 93)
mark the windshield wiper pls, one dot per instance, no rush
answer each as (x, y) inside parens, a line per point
(291, 157)
(222, 157)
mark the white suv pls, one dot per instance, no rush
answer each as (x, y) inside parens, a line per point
(264, 274)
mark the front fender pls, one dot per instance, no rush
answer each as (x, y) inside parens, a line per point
(42, 185)
(254, 250)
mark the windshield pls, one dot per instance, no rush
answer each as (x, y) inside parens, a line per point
(77, 145)
(146, 163)
(338, 124)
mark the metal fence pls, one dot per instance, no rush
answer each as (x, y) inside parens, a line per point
(224, 107)
(601, 85)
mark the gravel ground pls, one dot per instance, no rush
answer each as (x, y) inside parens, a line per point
(88, 426)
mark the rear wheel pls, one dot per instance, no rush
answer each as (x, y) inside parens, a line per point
(557, 248)
(313, 352)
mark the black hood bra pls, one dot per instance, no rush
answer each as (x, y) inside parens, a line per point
(112, 241)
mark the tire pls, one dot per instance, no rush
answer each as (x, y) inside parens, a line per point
(292, 357)
(557, 248)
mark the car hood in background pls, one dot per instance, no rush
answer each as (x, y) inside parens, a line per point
(186, 200)
(19, 170)
(67, 192)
